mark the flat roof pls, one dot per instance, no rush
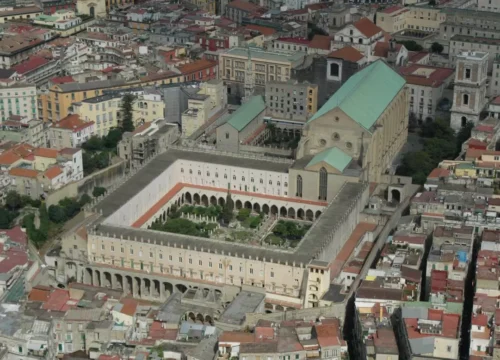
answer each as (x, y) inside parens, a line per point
(258, 53)
(245, 302)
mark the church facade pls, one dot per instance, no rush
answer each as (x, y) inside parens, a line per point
(365, 121)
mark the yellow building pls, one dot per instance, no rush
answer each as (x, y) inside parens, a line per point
(205, 5)
(104, 111)
(465, 169)
(397, 18)
(56, 103)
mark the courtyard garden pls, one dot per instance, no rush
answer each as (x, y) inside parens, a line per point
(287, 233)
(225, 223)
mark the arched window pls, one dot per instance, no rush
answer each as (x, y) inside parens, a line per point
(466, 99)
(299, 186)
(323, 183)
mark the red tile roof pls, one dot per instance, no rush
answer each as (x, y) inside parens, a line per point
(320, 42)
(32, 64)
(29, 173)
(328, 335)
(439, 173)
(46, 152)
(367, 27)
(72, 122)
(382, 48)
(302, 41)
(39, 294)
(9, 157)
(243, 5)
(496, 101)
(480, 320)
(53, 172)
(62, 80)
(196, 66)
(347, 53)
(435, 79)
(129, 307)
(267, 31)
(236, 337)
(57, 300)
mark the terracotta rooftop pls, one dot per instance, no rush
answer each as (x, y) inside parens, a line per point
(53, 172)
(424, 75)
(367, 27)
(46, 152)
(266, 31)
(320, 42)
(496, 101)
(244, 5)
(382, 48)
(196, 66)
(28, 173)
(9, 157)
(72, 122)
(347, 53)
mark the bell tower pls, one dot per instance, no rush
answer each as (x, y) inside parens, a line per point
(469, 95)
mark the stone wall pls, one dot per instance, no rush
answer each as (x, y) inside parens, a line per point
(336, 310)
(103, 178)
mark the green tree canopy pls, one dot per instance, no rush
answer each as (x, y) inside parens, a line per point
(98, 191)
(112, 139)
(411, 45)
(57, 214)
(6, 218)
(437, 48)
(127, 106)
(94, 143)
(13, 200)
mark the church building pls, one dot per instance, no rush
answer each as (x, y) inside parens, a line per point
(355, 136)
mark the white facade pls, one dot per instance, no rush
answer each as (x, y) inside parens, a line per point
(351, 36)
(20, 100)
(488, 5)
(494, 89)
(469, 96)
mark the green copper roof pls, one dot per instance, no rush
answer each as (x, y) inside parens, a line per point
(366, 94)
(247, 112)
(333, 157)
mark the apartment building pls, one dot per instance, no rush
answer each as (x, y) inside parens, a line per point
(397, 18)
(15, 48)
(148, 139)
(467, 43)
(265, 66)
(488, 5)
(31, 132)
(56, 102)
(11, 13)
(291, 100)
(18, 99)
(426, 85)
(70, 132)
(494, 88)
(239, 9)
(105, 110)
(202, 106)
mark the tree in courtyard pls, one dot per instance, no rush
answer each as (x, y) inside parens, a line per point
(227, 211)
(437, 48)
(13, 200)
(127, 106)
(6, 218)
(411, 45)
(93, 144)
(57, 214)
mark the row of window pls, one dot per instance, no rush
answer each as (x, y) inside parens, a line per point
(234, 177)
